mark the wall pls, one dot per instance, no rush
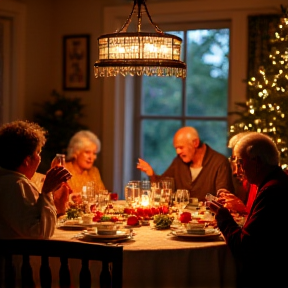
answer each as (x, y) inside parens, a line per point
(47, 22)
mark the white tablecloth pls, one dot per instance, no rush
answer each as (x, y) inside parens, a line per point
(155, 259)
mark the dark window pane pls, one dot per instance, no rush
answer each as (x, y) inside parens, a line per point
(214, 133)
(161, 96)
(207, 75)
(157, 142)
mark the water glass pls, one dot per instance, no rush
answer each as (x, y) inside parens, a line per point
(166, 190)
(132, 192)
(156, 193)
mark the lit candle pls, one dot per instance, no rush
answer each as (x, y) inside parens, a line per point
(145, 199)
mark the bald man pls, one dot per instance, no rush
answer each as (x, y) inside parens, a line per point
(197, 167)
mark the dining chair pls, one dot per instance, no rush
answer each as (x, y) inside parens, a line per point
(110, 256)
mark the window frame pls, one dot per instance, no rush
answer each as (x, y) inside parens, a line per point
(116, 91)
(138, 150)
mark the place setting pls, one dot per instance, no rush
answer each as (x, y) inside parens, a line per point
(109, 235)
(154, 206)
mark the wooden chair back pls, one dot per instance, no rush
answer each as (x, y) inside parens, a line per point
(110, 256)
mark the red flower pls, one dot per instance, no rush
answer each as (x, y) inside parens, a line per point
(114, 196)
(148, 212)
(93, 208)
(132, 220)
(185, 217)
(164, 209)
(155, 211)
(114, 219)
(140, 212)
(97, 216)
(127, 210)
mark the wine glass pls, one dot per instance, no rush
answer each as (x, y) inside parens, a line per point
(181, 199)
(166, 194)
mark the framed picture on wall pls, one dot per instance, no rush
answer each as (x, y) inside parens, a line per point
(76, 62)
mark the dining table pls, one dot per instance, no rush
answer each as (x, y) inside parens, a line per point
(155, 258)
(158, 258)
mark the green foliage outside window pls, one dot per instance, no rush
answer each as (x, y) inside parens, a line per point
(202, 101)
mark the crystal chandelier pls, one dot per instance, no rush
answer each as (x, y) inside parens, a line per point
(139, 53)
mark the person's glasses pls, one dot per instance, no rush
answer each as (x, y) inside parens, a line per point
(236, 165)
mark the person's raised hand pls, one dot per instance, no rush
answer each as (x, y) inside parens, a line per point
(145, 167)
(54, 177)
(231, 201)
(214, 205)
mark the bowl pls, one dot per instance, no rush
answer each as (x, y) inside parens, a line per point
(87, 218)
(106, 232)
(106, 228)
(195, 228)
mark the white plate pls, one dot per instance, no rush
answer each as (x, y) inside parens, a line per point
(211, 233)
(119, 234)
(106, 240)
(71, 227)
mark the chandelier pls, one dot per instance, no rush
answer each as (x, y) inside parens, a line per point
(139, 53)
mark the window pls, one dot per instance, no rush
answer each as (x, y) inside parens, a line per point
(201, 100)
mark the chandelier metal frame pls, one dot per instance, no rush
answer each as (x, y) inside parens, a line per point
(139, 53)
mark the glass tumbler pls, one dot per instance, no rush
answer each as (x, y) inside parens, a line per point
(132, 192)
(156, 193)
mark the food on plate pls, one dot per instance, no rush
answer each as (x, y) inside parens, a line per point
(132, 220)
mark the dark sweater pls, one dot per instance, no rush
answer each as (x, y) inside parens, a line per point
(215, 174)
(260, 247)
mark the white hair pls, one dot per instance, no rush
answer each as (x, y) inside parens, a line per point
(77, 143)
(258, 145)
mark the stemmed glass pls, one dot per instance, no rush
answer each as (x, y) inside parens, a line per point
(181, 199)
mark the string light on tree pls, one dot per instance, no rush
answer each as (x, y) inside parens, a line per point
(266, 108)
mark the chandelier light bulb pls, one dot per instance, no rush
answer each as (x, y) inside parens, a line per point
(139, 53)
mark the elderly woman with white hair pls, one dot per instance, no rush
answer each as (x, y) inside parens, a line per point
(81, 155)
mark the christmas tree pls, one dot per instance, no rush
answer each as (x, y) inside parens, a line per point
(266, 109)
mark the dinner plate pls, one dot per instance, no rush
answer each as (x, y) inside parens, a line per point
(210, 234)
(72, 227)
(132, 226)
(105, 240)
(119, 234)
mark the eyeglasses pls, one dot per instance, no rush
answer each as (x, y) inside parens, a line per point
(236, 165)
(235, 159)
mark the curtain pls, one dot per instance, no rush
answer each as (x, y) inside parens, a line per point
(261, 28)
